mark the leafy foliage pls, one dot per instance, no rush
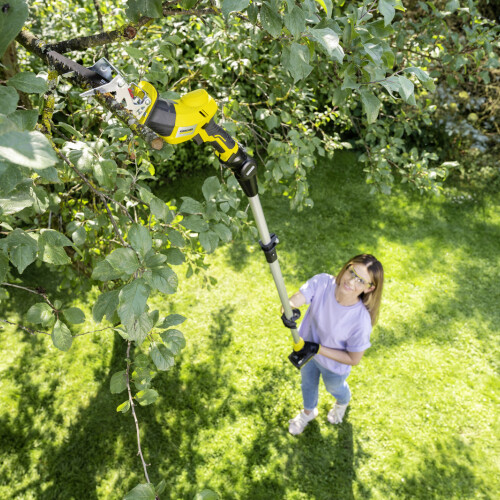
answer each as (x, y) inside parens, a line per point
(80, 193)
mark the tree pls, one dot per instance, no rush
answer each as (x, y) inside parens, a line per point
(295, 81)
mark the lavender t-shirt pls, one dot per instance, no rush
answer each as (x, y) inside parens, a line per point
(330, 324)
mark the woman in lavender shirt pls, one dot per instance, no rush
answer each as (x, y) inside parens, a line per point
(338, 323)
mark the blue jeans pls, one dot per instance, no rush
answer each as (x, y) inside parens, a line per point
(335, 384)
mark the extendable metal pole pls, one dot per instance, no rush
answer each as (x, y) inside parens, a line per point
(266, 240)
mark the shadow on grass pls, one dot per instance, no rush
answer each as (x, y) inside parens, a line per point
(69, 470)
(203, 397)
(443, 472)
(347, 220)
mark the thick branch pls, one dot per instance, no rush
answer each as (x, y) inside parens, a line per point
(124, 33)
(85, 42)
(39, 48)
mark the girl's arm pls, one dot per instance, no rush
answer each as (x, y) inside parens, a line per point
(297, 299)
(345, 357)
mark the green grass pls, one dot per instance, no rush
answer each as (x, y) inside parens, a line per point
(423, 422)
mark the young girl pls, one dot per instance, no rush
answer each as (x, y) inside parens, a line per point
(339, 321)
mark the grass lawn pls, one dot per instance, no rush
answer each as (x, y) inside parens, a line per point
(423, 422)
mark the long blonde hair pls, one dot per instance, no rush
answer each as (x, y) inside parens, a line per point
(372, 299)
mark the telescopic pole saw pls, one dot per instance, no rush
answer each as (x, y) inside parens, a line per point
(176, 121)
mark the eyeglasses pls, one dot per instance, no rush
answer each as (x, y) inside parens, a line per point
(358, 280)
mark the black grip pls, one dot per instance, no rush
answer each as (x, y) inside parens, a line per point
(214, 130)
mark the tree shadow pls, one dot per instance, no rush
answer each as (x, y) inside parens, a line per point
(428, 229)
(443, 472)
(68, 469)
(204, 396)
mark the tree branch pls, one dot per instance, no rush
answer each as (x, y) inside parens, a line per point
(106, 37)
(25, 328)
(132, 407)
(98, 193)
(37, 291)
(39, 48)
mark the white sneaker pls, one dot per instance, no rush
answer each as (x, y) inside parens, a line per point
(336, 414)
(298, 424)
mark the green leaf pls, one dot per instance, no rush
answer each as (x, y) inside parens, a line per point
(20, 198)
(124, 407)
(176, 238)
(140, 239)
(142, 376)
(195, 223)
(386, 8)
(328, 39)
(118, 382)
(350, 81)
(25, 119)
(155, 260)
(188, 4)
(374, 51)
(379, 30)
(229, 6)
(327, 7)
(407, 88)
(61, 336)
(132, 300)
(105, 305)
(138, 327)
(160, 487)
(295, 21)
(174, 340)
(190, 206)
(371, 105)
(206, 495)
(210, 188)
(223, 232)
(28, 149)
(10, 177)
(148, 8)
(28, 82)
(146, 397)
(4, 266)
(104, 271)
(9, 98)
(162, 357)
(74, 315)
(50, 247)
(40, 314)
(141, 492)
(22, 249)
(124, 260)
(209, 240)
(55, 238)
(162, 279)
(79, 236)
(424, 78)
(270, 19)
(105, 172)
(391, 84)
(295, 59)
(175, 256)
(452, 6)
(12, 19)
(172, 320)
(160, 210)
(135, 53)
